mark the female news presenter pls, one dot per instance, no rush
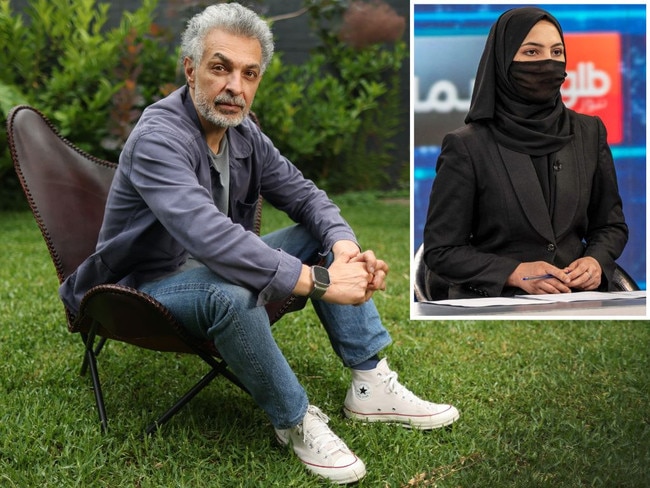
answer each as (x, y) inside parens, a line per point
(525, 199)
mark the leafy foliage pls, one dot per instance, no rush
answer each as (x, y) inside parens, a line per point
(335, 115)
(74, 75)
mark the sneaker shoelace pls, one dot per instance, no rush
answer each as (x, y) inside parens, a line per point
(394, 386)
(320, 437)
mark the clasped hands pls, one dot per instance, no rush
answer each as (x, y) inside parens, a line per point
(354, 275)
(582, 274)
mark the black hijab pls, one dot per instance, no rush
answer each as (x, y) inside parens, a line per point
(534, 129)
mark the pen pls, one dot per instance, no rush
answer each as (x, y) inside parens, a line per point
(540, 277)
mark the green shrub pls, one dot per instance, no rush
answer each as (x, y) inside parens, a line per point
(335, 116)
(60, 57)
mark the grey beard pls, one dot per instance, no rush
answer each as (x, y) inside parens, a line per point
(209, 111)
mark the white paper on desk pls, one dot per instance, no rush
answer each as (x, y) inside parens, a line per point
(482, 302)
(530, 299)
(585, 296)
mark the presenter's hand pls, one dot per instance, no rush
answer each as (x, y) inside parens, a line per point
(585, 274)
(532, 278)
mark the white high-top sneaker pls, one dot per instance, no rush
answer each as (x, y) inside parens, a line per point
(377, 396)
(322, 451)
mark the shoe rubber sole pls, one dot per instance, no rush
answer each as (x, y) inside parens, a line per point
(424, 422)
(342, 475)
(353, 472)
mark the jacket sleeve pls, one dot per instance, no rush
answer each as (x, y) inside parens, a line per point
(285, 187)
(607, 232)
(162, 169)
(448, 229)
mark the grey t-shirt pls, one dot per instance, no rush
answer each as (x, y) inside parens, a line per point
(221, 176)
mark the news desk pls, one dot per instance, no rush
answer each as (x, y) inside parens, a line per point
(633, 305)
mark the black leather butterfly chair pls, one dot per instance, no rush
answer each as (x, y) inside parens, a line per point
(422, 279)
(67, 189)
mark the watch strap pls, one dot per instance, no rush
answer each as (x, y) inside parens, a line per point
(318, 292)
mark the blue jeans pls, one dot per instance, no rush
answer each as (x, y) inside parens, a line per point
(210, 307)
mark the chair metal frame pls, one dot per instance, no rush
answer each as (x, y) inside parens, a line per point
(107, 311)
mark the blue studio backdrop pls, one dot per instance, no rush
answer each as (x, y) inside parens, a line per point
(606, 67)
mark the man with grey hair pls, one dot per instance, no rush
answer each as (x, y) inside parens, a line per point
(177, 226)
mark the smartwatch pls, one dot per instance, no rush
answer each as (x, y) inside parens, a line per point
(321, 279)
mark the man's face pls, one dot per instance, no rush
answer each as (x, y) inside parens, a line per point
(226, 80)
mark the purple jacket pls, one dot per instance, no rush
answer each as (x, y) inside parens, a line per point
(160, 208)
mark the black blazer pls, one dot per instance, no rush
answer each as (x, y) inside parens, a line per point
(487, 212)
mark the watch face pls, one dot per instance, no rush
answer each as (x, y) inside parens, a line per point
(321, 275)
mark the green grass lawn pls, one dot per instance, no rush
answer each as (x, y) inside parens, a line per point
(543, 403)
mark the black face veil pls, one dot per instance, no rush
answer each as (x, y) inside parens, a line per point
(535, 127)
